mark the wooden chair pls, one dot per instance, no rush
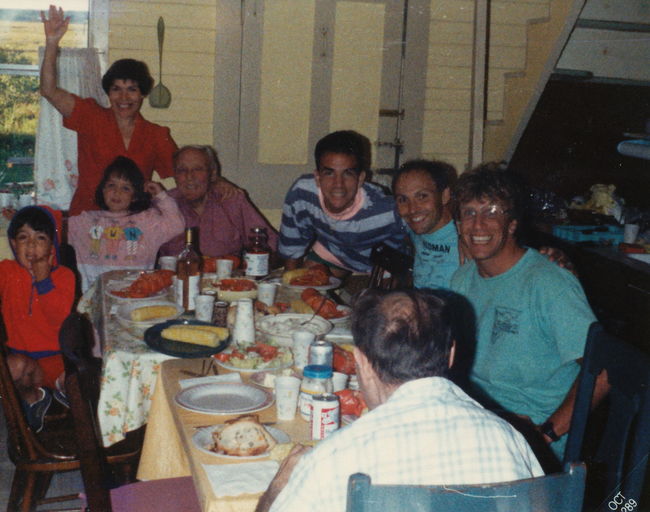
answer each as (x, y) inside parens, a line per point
(37, 457)
(399, 265)
(103, 490)
(618, 460)
(560, 492)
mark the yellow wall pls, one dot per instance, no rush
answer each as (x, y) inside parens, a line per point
(188, 59)
(448, 95)
(189, 56)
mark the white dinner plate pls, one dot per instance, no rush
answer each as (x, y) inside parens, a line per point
(124, 313)
(202, 439)
(224, 398)
(335, 282)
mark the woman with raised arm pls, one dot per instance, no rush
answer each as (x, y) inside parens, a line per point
(106, 133)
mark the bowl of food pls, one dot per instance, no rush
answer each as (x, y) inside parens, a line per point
(231, 289)
(279, 328)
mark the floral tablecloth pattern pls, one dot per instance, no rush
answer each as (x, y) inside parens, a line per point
(130, 368)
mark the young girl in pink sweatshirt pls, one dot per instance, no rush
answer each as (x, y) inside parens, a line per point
(130, 227)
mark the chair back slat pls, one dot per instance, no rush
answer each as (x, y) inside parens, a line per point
(398, 264)
(560, 492)
(81, 384)
(619, 460)
(17, 428)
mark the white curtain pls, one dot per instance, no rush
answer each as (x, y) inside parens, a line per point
(55, 155)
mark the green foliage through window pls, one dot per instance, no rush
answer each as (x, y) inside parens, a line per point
(19, 101)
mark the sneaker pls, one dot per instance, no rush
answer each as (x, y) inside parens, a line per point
(62, 398)
(36, 412)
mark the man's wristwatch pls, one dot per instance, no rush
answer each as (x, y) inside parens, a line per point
(547, 429)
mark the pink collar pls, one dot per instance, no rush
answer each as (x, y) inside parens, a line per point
(350, 211)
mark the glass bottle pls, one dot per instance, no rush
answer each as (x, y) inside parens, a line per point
(188, 273)
(257, 253)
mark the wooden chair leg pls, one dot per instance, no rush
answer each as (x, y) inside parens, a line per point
(17, 486)
(28, 501)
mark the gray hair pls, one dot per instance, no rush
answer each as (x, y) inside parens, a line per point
(210, 157)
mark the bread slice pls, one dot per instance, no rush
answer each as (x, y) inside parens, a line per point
(243, 437)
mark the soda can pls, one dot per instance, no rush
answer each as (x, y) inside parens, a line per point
(321, 352)
(324, 415)
(220, 314)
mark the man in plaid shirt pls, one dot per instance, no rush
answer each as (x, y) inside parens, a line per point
(421, 429)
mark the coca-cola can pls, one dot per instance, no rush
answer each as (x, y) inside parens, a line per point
(321, 352)
(325, 415)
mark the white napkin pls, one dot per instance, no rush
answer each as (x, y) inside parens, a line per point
(244, 478)
(208, 379)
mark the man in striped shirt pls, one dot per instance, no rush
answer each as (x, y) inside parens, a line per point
(334, 216)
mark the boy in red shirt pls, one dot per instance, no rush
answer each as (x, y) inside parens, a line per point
(37, 295)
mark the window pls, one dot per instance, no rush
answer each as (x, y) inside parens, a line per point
(21, 34)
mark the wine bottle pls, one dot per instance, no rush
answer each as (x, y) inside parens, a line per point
(188, 273)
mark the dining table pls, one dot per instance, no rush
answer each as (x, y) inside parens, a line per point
(130, 368)
(170, 449)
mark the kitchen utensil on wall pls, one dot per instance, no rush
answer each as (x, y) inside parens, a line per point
(160, 96)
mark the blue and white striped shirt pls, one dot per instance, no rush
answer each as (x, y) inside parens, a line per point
(349, 240)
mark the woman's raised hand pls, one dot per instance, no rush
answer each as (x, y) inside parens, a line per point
(56, 25)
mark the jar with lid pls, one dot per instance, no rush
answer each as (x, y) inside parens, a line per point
(257, 253)
(316, 380)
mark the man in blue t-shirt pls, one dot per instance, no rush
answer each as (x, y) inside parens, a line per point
(334, 216)
(532, 315)
(421, 189)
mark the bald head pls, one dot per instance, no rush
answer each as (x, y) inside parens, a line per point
(405, 335)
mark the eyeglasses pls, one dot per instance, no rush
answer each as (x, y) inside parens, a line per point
(489, 213)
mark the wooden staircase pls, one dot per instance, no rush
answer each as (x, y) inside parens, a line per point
(545, 40)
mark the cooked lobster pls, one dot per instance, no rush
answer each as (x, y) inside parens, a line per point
(325, 307)
(343, 361)
(147, 284)
(236, 285)
(316, 275)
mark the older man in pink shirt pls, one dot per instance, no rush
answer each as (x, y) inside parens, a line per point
(223, 224)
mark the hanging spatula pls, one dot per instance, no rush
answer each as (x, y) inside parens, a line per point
(160, 96)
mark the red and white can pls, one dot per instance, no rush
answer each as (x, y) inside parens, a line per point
(325, 415)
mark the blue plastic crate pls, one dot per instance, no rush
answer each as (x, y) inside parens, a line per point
(606, 235)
